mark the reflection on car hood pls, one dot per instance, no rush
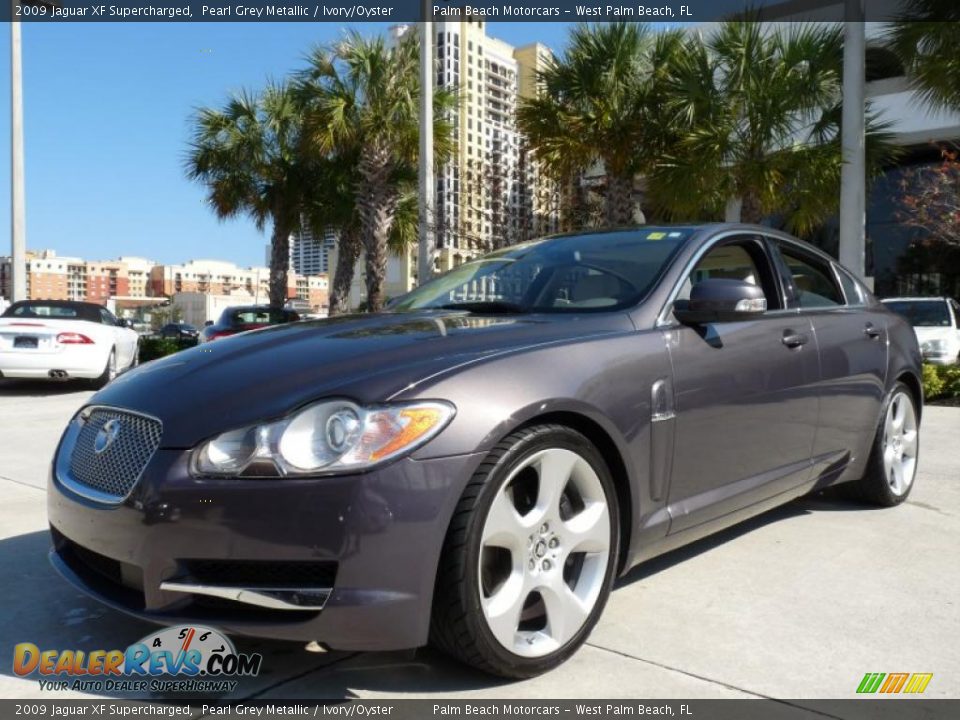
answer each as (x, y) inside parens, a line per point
(370, 358)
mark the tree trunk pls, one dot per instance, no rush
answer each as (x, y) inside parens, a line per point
(731, 213)
(573, 204)
(751, 211)
(348, 252)
(619, 200)
(377, 200)
(279, 263)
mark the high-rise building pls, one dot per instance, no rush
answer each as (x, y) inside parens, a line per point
(491, 193)
(309, 254)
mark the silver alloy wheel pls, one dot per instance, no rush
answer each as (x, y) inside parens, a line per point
(112, 365)
(544, 552)
(900, 439)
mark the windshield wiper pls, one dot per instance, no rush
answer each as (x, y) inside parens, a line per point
(489, 306)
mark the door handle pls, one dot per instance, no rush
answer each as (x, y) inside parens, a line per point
(794, 340)
(871, 332)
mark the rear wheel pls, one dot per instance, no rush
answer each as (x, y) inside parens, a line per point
(530, 555)
(109, 372)
(892, 467)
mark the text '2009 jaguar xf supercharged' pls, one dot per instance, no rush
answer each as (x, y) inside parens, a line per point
(476, 466)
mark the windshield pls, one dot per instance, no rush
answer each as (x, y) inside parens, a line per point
(576, 273)
(922, 313)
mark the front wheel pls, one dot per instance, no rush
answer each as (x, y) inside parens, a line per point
(530, 555)
(892, 466)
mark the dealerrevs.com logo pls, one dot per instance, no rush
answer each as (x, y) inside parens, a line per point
(186, 658)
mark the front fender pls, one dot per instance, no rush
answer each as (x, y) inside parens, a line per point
(605, 380)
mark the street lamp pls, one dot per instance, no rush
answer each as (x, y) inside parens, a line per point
(427, 190)
(852, 249)
(18, 203)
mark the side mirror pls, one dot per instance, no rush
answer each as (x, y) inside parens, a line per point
(125, 323)
(721, 300)
(208, 323)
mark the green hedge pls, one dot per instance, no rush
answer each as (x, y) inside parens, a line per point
(941, 381)
(152, 348)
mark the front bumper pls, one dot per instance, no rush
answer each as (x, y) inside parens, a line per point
(939, 358)
(367, 545)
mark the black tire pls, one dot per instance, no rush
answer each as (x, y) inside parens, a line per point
(109, 372)
(874, 488)
(458, 625)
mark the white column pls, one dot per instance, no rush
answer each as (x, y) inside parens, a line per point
(427, 184)
(853, 174)
(18, 220)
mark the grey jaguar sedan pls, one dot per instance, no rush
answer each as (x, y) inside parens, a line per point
(475, 467)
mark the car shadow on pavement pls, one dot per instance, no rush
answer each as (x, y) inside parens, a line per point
(39, 388)
(822, 501)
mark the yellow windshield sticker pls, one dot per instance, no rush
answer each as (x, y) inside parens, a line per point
(656, 236)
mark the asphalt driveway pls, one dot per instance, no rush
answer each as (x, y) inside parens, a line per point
(797, 603)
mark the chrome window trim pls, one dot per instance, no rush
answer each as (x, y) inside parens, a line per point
(65, 454)
(663, 321)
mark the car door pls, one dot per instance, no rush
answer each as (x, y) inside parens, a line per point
(745, 396)
(851, 335)
(122, 340)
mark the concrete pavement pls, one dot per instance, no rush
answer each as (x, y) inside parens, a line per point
(797, 603)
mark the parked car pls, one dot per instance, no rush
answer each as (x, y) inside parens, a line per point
(60, 340)
(936, 321)
(178, 331)
(476, 467)
(240, 319)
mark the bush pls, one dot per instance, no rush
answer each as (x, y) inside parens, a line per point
(941, 381)
(153, 348)
(950, 375)
(932, 384)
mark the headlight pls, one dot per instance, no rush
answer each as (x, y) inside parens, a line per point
(329, 436)
(934, 346)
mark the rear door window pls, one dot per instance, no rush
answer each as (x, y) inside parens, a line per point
(851, 288)
(813, 283)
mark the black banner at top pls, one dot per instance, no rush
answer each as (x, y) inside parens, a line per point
(346, 11)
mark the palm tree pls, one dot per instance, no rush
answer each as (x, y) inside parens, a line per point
(362, 97)
(924, 37)
(758, 115)
(332, 207)
(601, 104)
(247, 154)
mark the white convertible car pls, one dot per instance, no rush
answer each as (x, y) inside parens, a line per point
(60, 340)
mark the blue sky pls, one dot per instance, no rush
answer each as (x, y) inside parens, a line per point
(107, 109)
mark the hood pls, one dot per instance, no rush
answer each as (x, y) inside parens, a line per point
(933, 332)
(263, 374)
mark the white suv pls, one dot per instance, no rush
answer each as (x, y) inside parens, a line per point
(936, 321)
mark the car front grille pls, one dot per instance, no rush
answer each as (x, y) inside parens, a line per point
(111, 451)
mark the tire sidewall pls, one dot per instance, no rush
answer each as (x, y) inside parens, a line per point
(541, 438)
(877, 471)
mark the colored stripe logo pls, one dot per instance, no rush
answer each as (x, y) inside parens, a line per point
(891, 683)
